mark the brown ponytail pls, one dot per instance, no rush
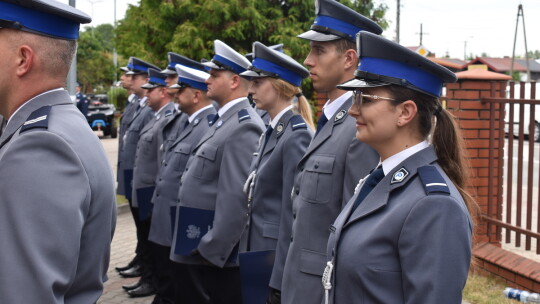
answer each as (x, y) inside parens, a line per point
(288, 91)
(445, 137)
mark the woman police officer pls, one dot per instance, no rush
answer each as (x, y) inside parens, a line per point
(405, 236)
(275, 88)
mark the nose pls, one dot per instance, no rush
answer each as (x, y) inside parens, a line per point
(309, 62)
(354, 110)
(251, 90)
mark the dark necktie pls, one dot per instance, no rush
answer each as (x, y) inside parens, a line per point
(267, 135)
(320, 124)
(213, 121)
(186, 123)
(373, 179)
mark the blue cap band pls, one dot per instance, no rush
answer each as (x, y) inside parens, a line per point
(172, 65)
(282, 72)
(40, 22)
(338, 25)
(140, 68)
(130, 66)
(235, 67)
(423, 80)
(194, 84)
(157, 80)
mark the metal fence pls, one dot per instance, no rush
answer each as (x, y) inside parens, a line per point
(514, 171)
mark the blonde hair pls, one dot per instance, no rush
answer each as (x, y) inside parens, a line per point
(287, 91)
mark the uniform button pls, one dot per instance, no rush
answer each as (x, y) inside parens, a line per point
(160, 179)
(316, 166)
(202, 153)
(186, 169)
(291, 239)
(296, 191)
(157, 195)
(294, 216)
(249, 205)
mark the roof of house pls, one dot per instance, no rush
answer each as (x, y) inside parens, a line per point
(480, 74)
(502, 65)
(453, 63)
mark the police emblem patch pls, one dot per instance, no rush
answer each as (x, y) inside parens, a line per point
(399, 176)
(193, 232)
(279, 128)
(219, 123)
(340, 115)
(196, 121)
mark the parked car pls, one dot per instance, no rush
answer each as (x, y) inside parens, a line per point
(527, 113)
(101, 116)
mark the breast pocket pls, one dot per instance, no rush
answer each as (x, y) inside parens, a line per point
(317, 181)
(205, 163)
(181, 154)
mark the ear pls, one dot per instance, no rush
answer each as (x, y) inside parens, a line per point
(351, 59)
(407, 112)
(235, 81)
(196, 96)
(25, 60)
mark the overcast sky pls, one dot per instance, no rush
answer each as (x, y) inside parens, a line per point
(485, 26)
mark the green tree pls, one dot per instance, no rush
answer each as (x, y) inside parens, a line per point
(95, 67)
(189, 27)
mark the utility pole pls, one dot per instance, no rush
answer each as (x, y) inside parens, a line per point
(397, 20)
(520, 13)
(72, 75)
(421, 33)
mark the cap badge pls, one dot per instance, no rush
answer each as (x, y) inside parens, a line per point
(399, 176)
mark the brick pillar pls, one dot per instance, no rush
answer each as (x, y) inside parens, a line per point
(464, 102)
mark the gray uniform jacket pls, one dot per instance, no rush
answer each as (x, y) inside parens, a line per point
(170, 172)
(326, 176)
(171, 130)
(215, 178)
(146, 166)
(129, 148)
(58, 205)
(125, 121)
(403, 244)
(273, 169)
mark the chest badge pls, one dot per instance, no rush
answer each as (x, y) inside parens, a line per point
(340, 115)
(279, 128)
(399, 176)
(219, 123)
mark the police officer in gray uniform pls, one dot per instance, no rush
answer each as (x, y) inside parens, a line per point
(275, 83)
(199, 111)
(129, 110)
(406, 235)
(142, 115)
(145, 170)
(214, 182)
(176, 123)
(335, 160)
(57, 187)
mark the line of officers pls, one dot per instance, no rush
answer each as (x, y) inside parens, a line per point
(232, 187)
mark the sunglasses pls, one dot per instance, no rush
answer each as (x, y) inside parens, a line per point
(361, 98)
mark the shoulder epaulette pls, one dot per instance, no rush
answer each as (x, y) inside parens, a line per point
(168, 113)
(38, 119)
(433, 181)
(243, 115)
(297, 122)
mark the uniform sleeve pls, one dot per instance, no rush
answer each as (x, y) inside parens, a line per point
(44, 198)
(294, 149)
(360, 160)
(435, 251)
(231, 212)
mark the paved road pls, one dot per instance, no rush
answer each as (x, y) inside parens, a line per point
(123, 245)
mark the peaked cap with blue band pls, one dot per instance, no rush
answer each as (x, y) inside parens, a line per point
(42, 17)
(175, 59)
(271, 63)
(155, 79)
(188, 77)
(128, 66)
(335, 20)
(275, 47)
(138, 66)
(384, 62)
(227, 59)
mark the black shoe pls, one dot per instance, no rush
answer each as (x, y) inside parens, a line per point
(133, 272)
(132, 286)
(133, 262)
(146, 289)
